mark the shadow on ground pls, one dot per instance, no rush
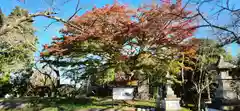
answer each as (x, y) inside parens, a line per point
(36, 104)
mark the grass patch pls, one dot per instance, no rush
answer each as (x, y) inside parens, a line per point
(118, 103)
(185, 109)
(74, 104)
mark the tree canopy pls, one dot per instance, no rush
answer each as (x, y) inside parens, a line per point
(108, 32)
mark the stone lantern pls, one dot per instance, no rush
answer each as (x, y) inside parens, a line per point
(171, 102)
(224, 90)
(224, 95)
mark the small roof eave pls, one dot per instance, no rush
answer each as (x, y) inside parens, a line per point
(226, 65)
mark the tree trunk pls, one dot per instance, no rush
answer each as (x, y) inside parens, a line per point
(57, 85)
(158, 98)
(200, 83)
(208, 89)
(58, 80)
(199, 101)
(88, 84)
(183, 81)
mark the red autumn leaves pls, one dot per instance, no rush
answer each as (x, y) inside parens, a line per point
(113, 24)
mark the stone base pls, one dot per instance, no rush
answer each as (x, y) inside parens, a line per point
(172, 104)
(226, 94)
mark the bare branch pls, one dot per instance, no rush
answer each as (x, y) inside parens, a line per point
(206, 85)
(209, 24)
(77, 9)
(196, 86)
(45, 73)
(49, 25)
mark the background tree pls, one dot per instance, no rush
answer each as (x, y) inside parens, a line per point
(21, 81)
(202, 54)
(18, 42)
(17, 45)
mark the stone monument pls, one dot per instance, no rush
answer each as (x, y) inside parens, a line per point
(172, 103)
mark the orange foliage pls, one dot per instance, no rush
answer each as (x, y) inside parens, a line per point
(113, 24)
(189, 50)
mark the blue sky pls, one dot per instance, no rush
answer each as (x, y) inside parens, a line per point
(66, 10)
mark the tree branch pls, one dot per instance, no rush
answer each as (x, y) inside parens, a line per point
(231, 39)
(9, 26)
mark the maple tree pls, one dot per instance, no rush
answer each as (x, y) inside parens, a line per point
(107, 31)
